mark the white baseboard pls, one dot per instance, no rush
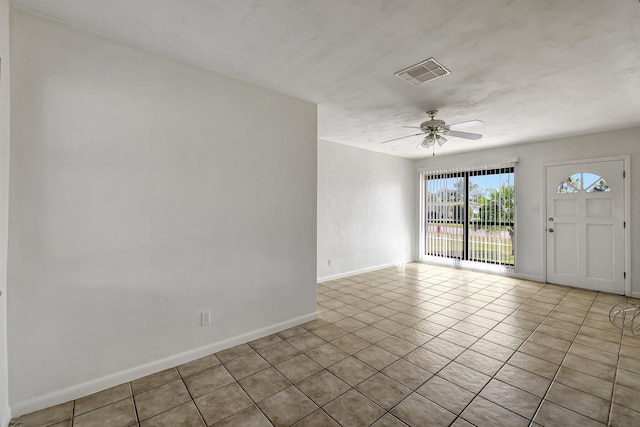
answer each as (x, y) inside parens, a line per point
(98, 384)
(5, 417)
(360, 271)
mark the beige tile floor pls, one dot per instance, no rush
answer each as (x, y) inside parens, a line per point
(418, 345)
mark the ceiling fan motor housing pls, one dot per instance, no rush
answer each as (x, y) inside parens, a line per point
(433, 126)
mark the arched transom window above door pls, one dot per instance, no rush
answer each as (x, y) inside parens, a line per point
(583, 181)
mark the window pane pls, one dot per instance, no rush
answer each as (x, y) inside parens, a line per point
(598, 186)
(492, 207)
(571, 184)
(445, 215)
(588, 179)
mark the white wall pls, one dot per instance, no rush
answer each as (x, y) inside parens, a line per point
(5, 414)
(530, 215)
(144, 191)
(366, 210)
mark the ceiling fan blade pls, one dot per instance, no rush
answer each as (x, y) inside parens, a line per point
(465, 125)
(402, 137)
(412, 127)
(465, 135)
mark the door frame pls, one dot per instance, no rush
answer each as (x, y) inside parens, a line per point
(626, 167)
(503, 270)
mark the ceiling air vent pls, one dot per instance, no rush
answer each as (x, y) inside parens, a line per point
(423, 72)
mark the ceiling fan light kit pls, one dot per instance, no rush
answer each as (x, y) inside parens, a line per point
(427, 142)
(431, 139)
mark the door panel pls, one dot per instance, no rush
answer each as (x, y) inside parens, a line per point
(600, 261)
(585, 225)
(567, 208)
(599, 208)
(566, 242)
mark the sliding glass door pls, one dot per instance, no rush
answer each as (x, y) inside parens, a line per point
(469, 215)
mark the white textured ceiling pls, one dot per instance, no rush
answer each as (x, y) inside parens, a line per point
(531, 69)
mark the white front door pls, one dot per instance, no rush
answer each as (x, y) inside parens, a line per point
(585, 225)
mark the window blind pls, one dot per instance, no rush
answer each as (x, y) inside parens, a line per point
(469, 214)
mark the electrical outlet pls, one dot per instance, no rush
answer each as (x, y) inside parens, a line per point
(329, 262)
(205, 318)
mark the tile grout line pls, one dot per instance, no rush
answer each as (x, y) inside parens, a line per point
(477, 338)
(486, 286)
(457, 416)
(386, 411)
(523, 343)
(515, 309)
(133, 400)
(293, 384)
(615, 375)
(189, 392)
(135, 406)
(377, 371)
(506, 362)
(582, 323)
(73, 413)
(255, 403)
(560, 366)
(350, 386)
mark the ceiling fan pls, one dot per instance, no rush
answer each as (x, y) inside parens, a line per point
(434, 131)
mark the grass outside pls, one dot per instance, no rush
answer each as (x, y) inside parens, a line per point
(481, 248)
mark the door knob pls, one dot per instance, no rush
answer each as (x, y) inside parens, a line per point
(551, 230)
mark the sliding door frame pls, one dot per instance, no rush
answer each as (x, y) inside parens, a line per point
(464, 261)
